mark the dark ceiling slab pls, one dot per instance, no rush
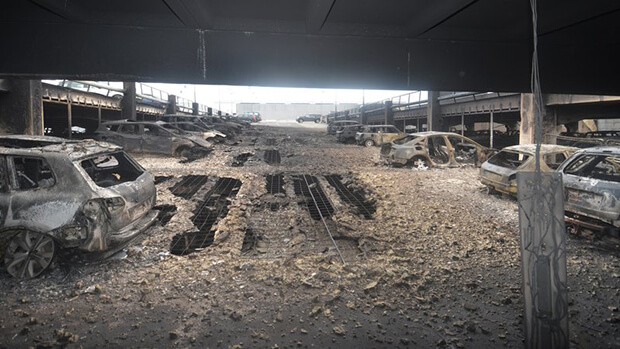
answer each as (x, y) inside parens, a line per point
(400, 44)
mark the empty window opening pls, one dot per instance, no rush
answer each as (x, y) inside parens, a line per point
(32, 173)
(554, 160)
(438, 150)
(111, 169)
(508, 159)
(601, 167)
(465, 152)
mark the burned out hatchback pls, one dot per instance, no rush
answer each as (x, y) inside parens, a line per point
(591, 179)
(73, 195)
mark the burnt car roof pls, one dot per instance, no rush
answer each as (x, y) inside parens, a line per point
(544, 148)
(75, 149)
(601, 150)
(134, 122)
(435, 133)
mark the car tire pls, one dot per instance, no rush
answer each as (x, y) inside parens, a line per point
(317, 121)
(28, 254)
(420, 163)
(184, 152)
(369, 143)
(301, 121)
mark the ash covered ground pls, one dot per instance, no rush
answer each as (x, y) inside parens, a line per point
(430, 260)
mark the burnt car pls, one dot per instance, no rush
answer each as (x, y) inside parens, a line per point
(152, 137)
(591, 180)
(73, 195)
(434, 149)
(347, 133)
(334, 126)
(499, 173)
(196, 129)
(374, 135)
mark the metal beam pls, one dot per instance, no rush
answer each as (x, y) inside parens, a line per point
(192, 13)
(318, 11)
(60, 9)
(433, 14)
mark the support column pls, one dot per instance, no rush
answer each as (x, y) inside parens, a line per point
(389, 113)
(195, 108)
(209, 111)
(363, 116)
(462, 124)
(128, 103)
(433, 112)
(491, 128)
(528, 122)
(21, 108)
(172, 104)
(69, 118)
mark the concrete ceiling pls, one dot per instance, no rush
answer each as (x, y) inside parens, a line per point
(473, 45)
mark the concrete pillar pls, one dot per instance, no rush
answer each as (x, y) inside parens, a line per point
(128, 103)
(194, 108)
(363, 116)
(389, 113)
(21, 107)
(433, 112)
(209, 111)
(528, 122)
(172, 104)
(69, 119)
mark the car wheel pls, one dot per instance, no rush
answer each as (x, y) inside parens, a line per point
(301, 121)
(184, 152)
(492, 191)
(317, 121)
(29, 254)
(369, 143)
(420, 164)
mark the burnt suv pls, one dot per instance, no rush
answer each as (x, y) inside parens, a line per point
(61, 194)
(591, 180)
(152, 137)
(376, 135)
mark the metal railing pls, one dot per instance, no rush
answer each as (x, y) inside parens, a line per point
(144, 93)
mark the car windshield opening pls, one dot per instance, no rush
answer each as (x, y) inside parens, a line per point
(32, 173)
(601, 167)
(111, 169)
(509, 159)
(406, 139)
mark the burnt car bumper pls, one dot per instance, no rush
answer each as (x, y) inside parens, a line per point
(132, 231)
(498, 182)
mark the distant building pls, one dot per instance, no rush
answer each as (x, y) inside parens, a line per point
(282, 111)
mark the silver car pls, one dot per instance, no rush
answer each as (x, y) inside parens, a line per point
(152, 137)
(434, 149)
(57, 193)
(591, 180)
(499, 173)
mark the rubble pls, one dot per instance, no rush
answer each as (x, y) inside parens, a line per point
(437, 265)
